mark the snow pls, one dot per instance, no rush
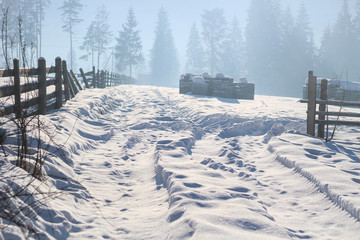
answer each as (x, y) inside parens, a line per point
(343, 85)
(142, 162)
(346, 85)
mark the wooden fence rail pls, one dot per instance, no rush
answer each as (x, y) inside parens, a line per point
(322, 111)
(37, 100)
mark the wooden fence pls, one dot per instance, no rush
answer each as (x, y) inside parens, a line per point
(102, 79)
(65, 82)
(322, 111)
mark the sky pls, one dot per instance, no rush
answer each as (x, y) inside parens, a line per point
(182, 15)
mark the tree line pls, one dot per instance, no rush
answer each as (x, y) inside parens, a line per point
(277, 47)
(274, 50)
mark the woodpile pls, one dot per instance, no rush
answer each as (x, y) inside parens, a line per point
(219, 86)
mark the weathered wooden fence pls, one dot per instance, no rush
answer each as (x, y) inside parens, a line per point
(102, 79)
(322, 111)
(64, 82)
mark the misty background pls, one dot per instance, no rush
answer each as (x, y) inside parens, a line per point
(271, 43)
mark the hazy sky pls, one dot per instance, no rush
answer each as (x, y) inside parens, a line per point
(182, 15)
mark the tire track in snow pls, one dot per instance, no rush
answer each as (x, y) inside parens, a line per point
(120, 173)
(284, 184)
(323, 188)
(241, 161)
(206, 176)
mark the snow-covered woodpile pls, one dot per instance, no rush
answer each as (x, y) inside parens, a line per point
(337, 90)
(218, 86)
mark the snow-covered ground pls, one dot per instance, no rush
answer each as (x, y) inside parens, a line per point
(141, 162)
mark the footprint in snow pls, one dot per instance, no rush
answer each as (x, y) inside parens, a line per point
(192, 185)
(356, 180)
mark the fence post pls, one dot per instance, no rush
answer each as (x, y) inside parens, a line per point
(75, 80)
(42, 85)
(322, 108)
(97, 79)
(58, 83)
(102, 77)
(73, 88)
(94, 78)
(66, 81)
(17, 105)
(108, 78)
(84, 78)
(312, 80)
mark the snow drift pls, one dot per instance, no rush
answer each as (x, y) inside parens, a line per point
(144, 162)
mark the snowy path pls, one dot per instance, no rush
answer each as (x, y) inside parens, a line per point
(177, 167)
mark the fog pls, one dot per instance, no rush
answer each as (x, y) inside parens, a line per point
(182, 15)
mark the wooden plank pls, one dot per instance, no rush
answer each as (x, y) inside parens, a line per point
(30, 103)
(51, 106)
(6, 72)
(6, 91)
(89, 73)
(339, 103)
(95, 78)
(311, 105)
(84, 78)
(50, 82)
(339, 114)
(51, 69)
(28, 87)
(102, 79)
(51, 96)
(17, 93)
(334, 122)
(73, 87)
(75, 80)
(66, 81)
(42, 85)
(58, 83)
(322, 107)
(8, 110)
(25, 72)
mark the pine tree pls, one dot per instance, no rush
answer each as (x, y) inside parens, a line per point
(128, 50)
(325, 54)
(303, 47)
(288, 51)
(339, 47)
(102, 31)
(214, 34)
(71, 10)
(89, 43)
(263, 45)
(40, 15)
(27, 15)
(232, 57)
(195, 52)
(343, 38)
(164, 63)
(356, 28)
(98, 36)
